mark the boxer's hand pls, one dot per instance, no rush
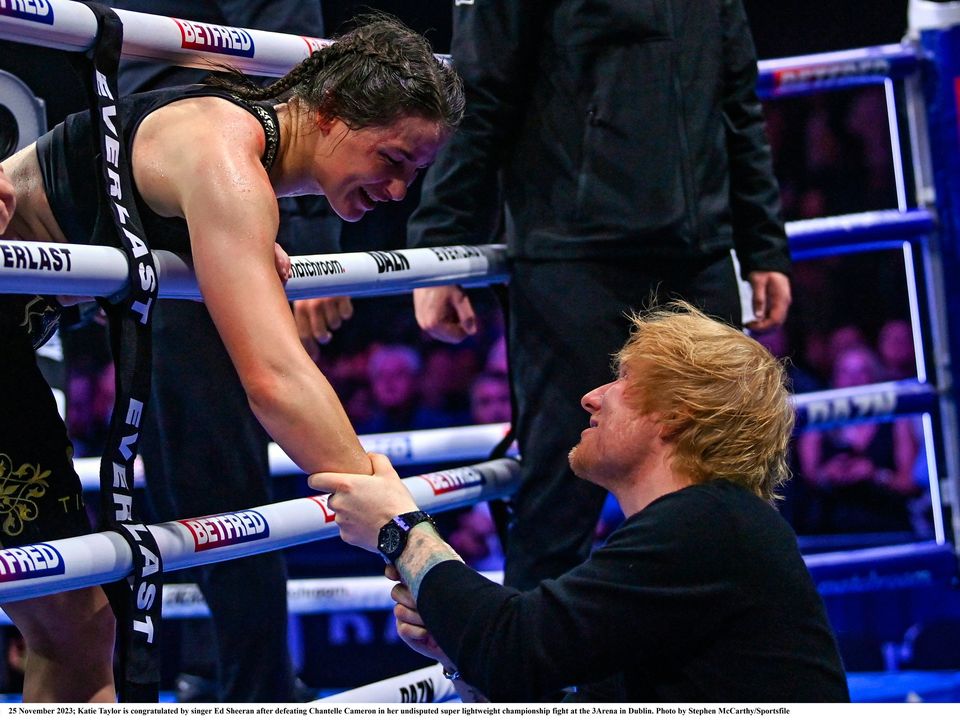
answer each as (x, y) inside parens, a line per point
(282, 262)
(771, 299)
(8, 201)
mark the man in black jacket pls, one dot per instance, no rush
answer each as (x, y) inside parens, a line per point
(701, 595)
(627, 143)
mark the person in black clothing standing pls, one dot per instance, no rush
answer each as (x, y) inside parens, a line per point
(628, 145)
(701, 595)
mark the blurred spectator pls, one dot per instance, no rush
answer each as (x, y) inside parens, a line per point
(895, 346)
(860, 475)
(777, 341)
(475, 539)
(490, 398)
(445, 385)
(497, 357)
(90, 388)
(866, 123)
(843, 338)
(394, 373)
(474, 535)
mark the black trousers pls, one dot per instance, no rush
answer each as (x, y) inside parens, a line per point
(566, 320)
(205, 453)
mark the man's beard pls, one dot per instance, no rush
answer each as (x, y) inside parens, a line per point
(578, 463)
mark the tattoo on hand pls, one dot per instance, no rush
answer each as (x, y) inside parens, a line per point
(424, 550)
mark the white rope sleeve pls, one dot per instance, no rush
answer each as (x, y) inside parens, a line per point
(35, 570)
(420, 686)
(89, 270)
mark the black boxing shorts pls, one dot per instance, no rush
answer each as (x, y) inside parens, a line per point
(41, 497)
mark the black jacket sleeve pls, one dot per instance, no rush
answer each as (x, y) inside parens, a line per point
(758, 230)
(493, 46)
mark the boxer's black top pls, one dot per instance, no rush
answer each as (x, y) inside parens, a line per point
(71, 172)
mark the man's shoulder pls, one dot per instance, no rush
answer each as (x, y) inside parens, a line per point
(717, 495)
(717, 511)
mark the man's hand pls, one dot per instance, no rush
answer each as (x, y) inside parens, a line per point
(771, 299)
(410, 626)
(317, 318)
(8, 201)
(445, 313)
(365, 503)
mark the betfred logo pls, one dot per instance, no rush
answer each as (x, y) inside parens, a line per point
(30, 561)
(396, 447)
(216, 531)
(328, 515)
(214, 38)
(314, 44)
(449, 480)
(34, 10)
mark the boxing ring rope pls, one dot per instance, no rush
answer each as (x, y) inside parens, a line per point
(863, 569)
(312, 596)
(815, 410)
(36, 267)
(33, 570)
(89, 270)
(417, 447)
(420, 686)
(65, 25)
(802, 75)
(857, 232)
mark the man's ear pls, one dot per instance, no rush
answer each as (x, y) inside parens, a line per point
(669, 432)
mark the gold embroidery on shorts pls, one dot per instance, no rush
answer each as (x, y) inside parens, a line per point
(36, 308)
(17, 490)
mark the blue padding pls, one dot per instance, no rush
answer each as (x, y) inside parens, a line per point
(887, 568)
(911, 686)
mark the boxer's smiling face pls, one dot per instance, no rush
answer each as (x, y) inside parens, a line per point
(356, 169)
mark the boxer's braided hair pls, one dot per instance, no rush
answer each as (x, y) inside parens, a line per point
(368, 77)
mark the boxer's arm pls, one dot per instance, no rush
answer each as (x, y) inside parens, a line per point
(225, 196)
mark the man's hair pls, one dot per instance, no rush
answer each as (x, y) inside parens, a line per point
(721, 396)
(370, 76)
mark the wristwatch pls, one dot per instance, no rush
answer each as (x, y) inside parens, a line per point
(393, 536)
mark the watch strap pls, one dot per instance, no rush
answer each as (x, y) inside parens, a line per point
(407, 521)
(401, 525)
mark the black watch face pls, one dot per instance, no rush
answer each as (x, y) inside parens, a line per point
(390, 539)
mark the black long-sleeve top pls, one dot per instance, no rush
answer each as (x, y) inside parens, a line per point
(703, 596)
(617, 129)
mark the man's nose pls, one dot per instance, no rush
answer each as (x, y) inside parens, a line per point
(592, 400)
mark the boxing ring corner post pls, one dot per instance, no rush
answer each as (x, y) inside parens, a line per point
(935, 29)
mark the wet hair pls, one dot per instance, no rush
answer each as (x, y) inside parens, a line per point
(370, 76)
(721, 397)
